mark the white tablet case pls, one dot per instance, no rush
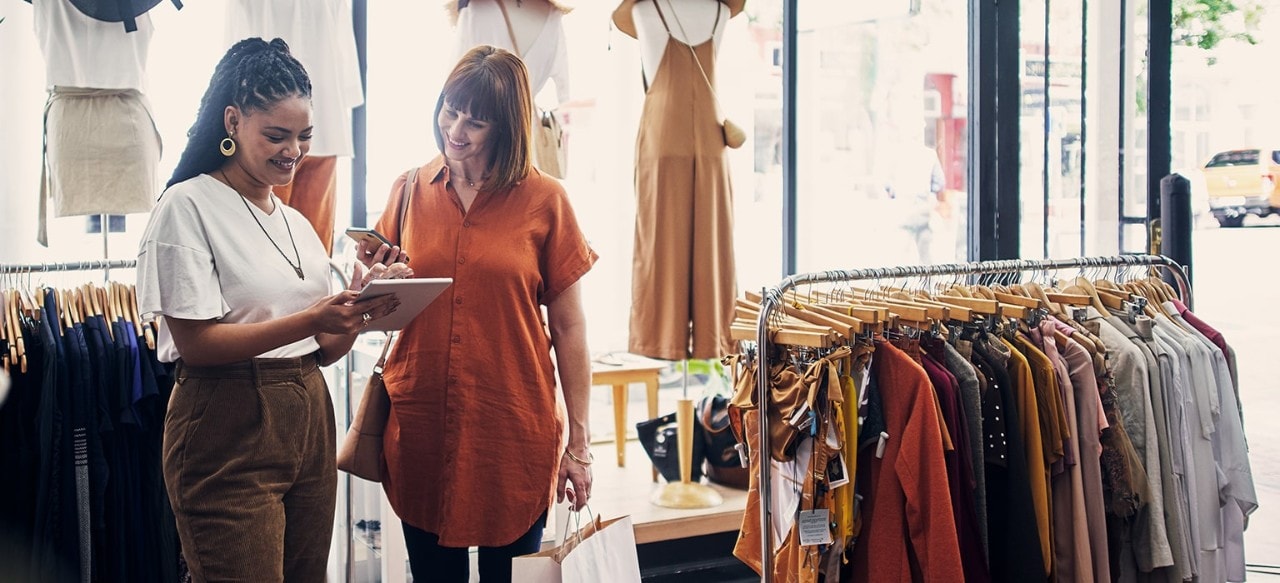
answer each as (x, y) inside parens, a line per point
(414, 296)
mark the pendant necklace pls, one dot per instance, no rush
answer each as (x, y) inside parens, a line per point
(297, 268)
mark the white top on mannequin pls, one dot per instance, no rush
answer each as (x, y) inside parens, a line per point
(539, 29)
(695, 17)
(84, 52)
(321, 37)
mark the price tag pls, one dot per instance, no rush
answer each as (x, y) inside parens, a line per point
(815, 527)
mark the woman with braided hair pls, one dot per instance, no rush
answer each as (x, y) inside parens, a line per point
(242, 284)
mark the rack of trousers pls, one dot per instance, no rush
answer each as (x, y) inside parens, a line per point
(990, 422)
(81, 430)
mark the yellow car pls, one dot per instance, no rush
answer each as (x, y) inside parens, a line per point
(1242, 182)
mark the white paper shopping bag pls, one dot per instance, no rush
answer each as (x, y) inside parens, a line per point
(600, 551)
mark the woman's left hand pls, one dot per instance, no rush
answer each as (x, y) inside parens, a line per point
(361, 278)
(574, 481)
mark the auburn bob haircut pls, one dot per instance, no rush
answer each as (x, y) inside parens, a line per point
(492, 84)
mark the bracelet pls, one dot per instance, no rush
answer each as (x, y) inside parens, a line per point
(587, 462)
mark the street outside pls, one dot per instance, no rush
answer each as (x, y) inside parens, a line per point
(1237, 290)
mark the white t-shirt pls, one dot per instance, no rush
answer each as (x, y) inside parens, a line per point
(83, 52)
(547, 57)
(203, 257)
(320, 36)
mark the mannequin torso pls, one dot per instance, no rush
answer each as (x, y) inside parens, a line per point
(690, 21)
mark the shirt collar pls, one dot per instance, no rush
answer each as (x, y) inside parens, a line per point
(436, 169)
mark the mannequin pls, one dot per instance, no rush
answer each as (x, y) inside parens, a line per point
(102, 149)
(539, 40)
(319, 34)
(683, 274)
(697, 18)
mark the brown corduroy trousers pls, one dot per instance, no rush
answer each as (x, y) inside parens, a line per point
(249, 461)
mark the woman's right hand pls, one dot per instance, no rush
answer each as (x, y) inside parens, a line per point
(339, 314)
(371, 254)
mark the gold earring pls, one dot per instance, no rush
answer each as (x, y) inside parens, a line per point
(227, 146)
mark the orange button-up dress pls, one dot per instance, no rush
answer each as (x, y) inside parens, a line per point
(474, 439)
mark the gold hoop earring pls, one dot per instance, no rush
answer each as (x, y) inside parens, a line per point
(227, 146)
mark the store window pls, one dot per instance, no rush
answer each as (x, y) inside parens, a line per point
(1053, 128)
(881, 134)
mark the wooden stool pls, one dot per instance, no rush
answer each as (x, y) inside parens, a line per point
(619, 377)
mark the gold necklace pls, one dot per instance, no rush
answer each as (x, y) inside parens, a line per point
(472, 183)
(297, 268)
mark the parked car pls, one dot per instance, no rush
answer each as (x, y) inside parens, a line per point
(1242, 182)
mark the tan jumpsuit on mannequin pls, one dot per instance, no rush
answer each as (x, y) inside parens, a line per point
(683, 280)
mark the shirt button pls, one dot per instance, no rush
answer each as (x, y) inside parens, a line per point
(457, 300)
(466, 224)
(453, 380)
(462, 260)
(457, 339)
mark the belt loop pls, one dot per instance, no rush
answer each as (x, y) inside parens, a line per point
(255, 373)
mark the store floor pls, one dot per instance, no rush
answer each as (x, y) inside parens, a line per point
(675, 546)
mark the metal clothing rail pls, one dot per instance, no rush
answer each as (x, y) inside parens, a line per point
(772, 298)
(91, 265)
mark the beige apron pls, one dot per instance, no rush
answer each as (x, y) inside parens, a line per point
(683, 281)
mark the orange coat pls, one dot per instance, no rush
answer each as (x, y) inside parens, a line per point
(474, 440)
(908, 530)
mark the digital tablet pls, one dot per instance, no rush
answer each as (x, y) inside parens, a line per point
(414, 296)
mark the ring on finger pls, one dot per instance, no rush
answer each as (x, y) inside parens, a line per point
(365, 317)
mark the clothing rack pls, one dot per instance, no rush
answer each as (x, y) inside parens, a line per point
(772, 298)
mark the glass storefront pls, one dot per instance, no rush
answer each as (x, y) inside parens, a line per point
(882, 134)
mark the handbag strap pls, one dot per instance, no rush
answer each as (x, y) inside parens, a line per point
(404, 201)
(382, 359)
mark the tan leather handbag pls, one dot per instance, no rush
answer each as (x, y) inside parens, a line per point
(361, 451)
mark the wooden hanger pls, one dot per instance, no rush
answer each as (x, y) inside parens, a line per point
(11, 349)
(1067, 299)
(1082, 286)
(979, 305)
(1017, 300)
(741, 331)
(954, 311)
(1155, 304)
(16, 340)
(7, 318)
(783, 329)
(851, 306)
(1034, 290)
(146, 329)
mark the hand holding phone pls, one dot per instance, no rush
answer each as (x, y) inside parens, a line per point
(371, 238)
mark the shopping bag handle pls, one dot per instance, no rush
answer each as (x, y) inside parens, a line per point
(564, 548)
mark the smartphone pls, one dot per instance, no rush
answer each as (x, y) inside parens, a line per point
(373, 237)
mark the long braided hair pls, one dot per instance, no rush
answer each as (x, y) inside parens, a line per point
(254, 74)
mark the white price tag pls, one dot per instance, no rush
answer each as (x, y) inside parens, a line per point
(815, 527)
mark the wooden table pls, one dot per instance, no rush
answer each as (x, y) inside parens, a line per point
(619, 376)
